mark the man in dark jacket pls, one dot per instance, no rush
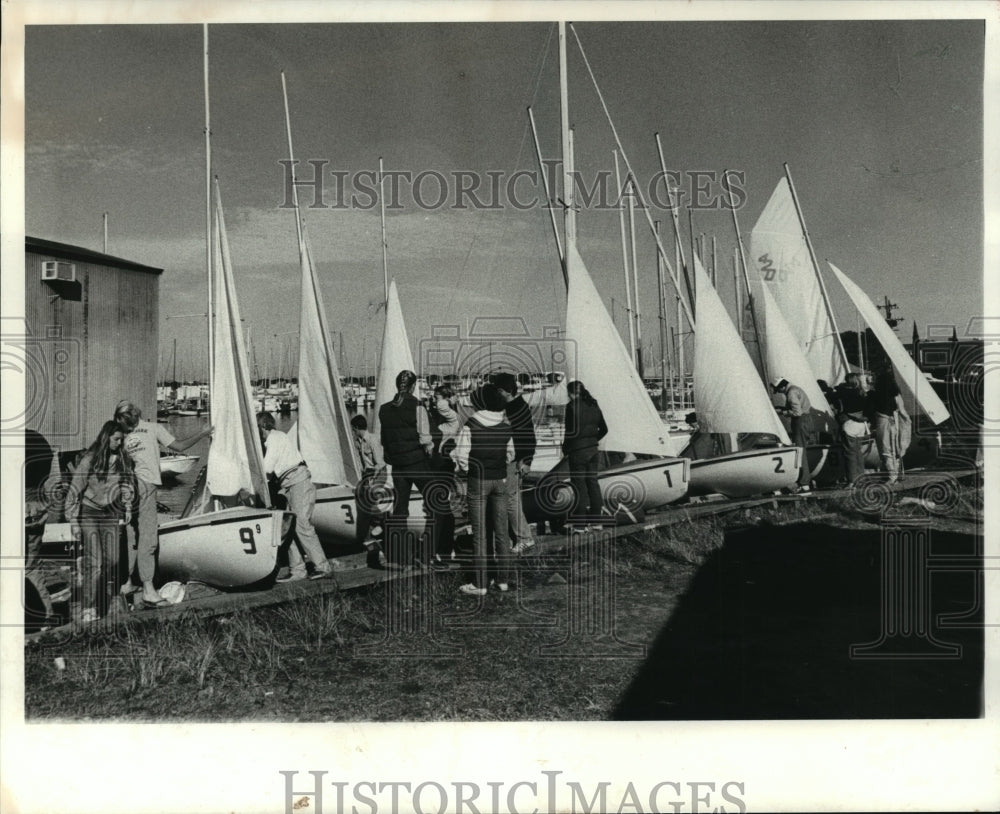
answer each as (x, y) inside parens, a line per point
(523, 428)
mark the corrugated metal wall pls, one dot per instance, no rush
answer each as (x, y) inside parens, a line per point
(88, 354)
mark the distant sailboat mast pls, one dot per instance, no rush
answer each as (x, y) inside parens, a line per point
(208, 229)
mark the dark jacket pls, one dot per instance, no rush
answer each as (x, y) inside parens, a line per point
(399, 434)
(519, 415)
(488, 449)
(585, 427)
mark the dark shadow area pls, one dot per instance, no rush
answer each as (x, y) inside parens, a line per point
(767, 627)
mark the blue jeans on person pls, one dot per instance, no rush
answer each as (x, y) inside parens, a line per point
(588, 502)
(852, 448)
(488, 500)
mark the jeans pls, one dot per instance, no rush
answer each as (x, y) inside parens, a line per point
(101, 535)
(145, 527)
(488, 500)
(434, 490)
(887, 440)
(800, 432)
(516, 522)
(586, 489)
(299, 491)
(854, 459)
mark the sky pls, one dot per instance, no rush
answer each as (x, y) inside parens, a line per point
(880, 122)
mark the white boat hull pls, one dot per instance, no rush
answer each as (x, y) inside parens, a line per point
(336, 513)
(644, 485)
(230, 548)
(174, 465)
(742, 474)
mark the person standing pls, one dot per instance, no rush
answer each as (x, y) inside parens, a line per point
(445, 426)
(99, 504)
(797, 408)
(406, 441)
(372, 478)
(523, 429)
(885, 404)
(853, 427)
(143, 440)
(700, 444)
(585, 427)
(484, 449)
(283, 461)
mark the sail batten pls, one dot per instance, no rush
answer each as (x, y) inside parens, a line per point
(917, 391)
(780, 254)
(599, 359)
(729, 395)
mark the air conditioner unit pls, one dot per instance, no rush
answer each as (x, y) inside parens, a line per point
(57, 270)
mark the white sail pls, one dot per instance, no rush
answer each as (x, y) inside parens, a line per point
(323, 429)
(235, 459)
(729, 395)
(782, 350)
(916, 390)
(780, 254)
(599, 359)
(396, 354)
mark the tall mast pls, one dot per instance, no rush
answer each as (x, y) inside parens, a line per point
(661, 297)
(746, 278)
(635, 282)
(208, 232)
(819, 277)
(628, 284)
(675, 220)
(567, 151)
(385, 244)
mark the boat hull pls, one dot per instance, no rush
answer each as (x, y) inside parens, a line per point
(742, 474)
(641, 485)
(336, 512)
(230, 548)
(174, 465)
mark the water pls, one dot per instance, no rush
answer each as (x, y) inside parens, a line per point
(174, 492)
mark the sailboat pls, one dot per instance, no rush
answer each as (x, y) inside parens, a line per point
(650, 476)
(323, 429)
(730, 397)
(918, 395)
(221, 541)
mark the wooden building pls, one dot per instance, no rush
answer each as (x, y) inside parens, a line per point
(92, 339)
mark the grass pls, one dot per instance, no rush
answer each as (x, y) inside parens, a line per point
(411, 650)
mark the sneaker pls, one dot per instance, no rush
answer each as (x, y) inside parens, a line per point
(523, 547)
(472, 590)
(290, 577)
(90, 615)
(439, 564)
(323, 573)
(503, 587)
